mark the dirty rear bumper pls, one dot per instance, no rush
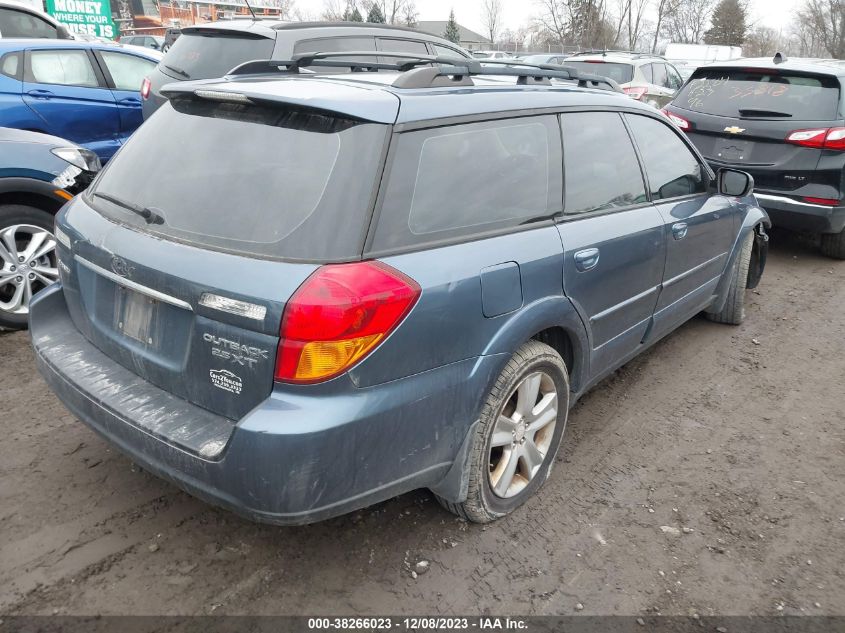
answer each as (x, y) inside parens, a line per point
(303, 455)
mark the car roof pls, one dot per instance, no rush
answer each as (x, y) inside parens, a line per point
(18, 43)
(616, 58)
(372, 97)
(801, 64)
(270, 27)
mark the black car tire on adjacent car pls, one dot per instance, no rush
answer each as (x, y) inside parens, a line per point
(833, 245)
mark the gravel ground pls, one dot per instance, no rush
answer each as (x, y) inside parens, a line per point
(707, 476)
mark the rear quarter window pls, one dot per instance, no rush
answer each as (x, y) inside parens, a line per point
(470, 179)
(749, 92)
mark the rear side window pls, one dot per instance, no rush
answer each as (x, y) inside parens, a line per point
(469, 179)
(743, 92)
(672, 169)
(336, 45)
(659, 76)
(445, 51)
(601, 170)
(23, 24)
(273, 182)
(620, 73)
(66, 68)
(212, 54)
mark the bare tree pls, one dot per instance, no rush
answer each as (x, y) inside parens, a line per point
(826, 18)
(687, 20)
(662, 6)
(636, 12)
(554, 19)
(763, 41)
(491, 17)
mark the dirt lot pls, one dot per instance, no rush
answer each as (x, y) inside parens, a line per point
(735, 433)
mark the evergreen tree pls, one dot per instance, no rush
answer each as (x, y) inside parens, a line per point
(354, 15)
(729, 24)
(453, 34)
(375, 15)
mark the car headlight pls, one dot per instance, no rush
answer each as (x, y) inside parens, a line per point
(85, 159)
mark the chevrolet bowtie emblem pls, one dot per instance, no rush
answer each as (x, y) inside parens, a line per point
(734, 129)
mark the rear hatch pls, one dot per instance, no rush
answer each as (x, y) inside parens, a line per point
(619, 72)
(743, 116)
(242, 203)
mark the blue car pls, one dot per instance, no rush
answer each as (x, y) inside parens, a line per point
(85, 92)
(38, 174)
(328, 290)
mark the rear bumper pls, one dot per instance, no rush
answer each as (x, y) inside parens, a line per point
(301, 456)
(797, 215)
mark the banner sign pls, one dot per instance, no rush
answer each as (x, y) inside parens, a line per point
(89, 17)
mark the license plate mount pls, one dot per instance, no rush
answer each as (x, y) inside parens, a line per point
(135, 315)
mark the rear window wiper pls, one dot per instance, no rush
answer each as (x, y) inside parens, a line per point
(177, 70)
(150, 215)
(752, 112)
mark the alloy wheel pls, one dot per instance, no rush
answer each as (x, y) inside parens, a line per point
(27, 264)
(523, 434)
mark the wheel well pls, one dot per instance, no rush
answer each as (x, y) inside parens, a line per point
(31, 199)
(558, 339)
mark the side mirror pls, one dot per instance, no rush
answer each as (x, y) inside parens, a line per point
(734, 183)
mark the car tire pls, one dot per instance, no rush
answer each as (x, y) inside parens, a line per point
(733, 313)
(833, 244)
(30, 220)
(528, 454)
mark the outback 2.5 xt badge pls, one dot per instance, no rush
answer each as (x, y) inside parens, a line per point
(236, 353)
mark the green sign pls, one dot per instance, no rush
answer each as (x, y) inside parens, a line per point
(89, 17)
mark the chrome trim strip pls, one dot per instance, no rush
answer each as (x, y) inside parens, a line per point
(771, 198)
(691, 271)
(132, 285)
(604, 313)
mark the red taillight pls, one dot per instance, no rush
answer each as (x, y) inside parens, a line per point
(635, 92)
(828, 202)
(145, 88)
(338, 316)
(680, 121)
(819, 138)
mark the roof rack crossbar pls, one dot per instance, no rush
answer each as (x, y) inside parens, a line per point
(440, 66)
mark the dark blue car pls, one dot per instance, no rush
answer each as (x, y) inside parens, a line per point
(38, 174)
(329, 290)
(86, 92)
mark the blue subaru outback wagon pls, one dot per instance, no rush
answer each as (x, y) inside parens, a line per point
(328, 290)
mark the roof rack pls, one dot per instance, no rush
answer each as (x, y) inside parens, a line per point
(440, 71)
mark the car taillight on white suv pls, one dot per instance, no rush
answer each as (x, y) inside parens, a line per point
(145, 88)
(635, 92)
(338, 316)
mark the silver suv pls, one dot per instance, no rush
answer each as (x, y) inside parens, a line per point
(642, 76)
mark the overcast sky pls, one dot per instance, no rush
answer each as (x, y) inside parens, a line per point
(774, 13)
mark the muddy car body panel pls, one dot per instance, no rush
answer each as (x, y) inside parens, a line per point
(167, 335)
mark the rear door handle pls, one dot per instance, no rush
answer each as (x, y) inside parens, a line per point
(679, 230)
(130, 101)
(587, 259)
(40, 94)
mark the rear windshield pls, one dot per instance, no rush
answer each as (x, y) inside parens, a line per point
(267, 181)
(620, 73)
(739, 92)
(213, 54)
